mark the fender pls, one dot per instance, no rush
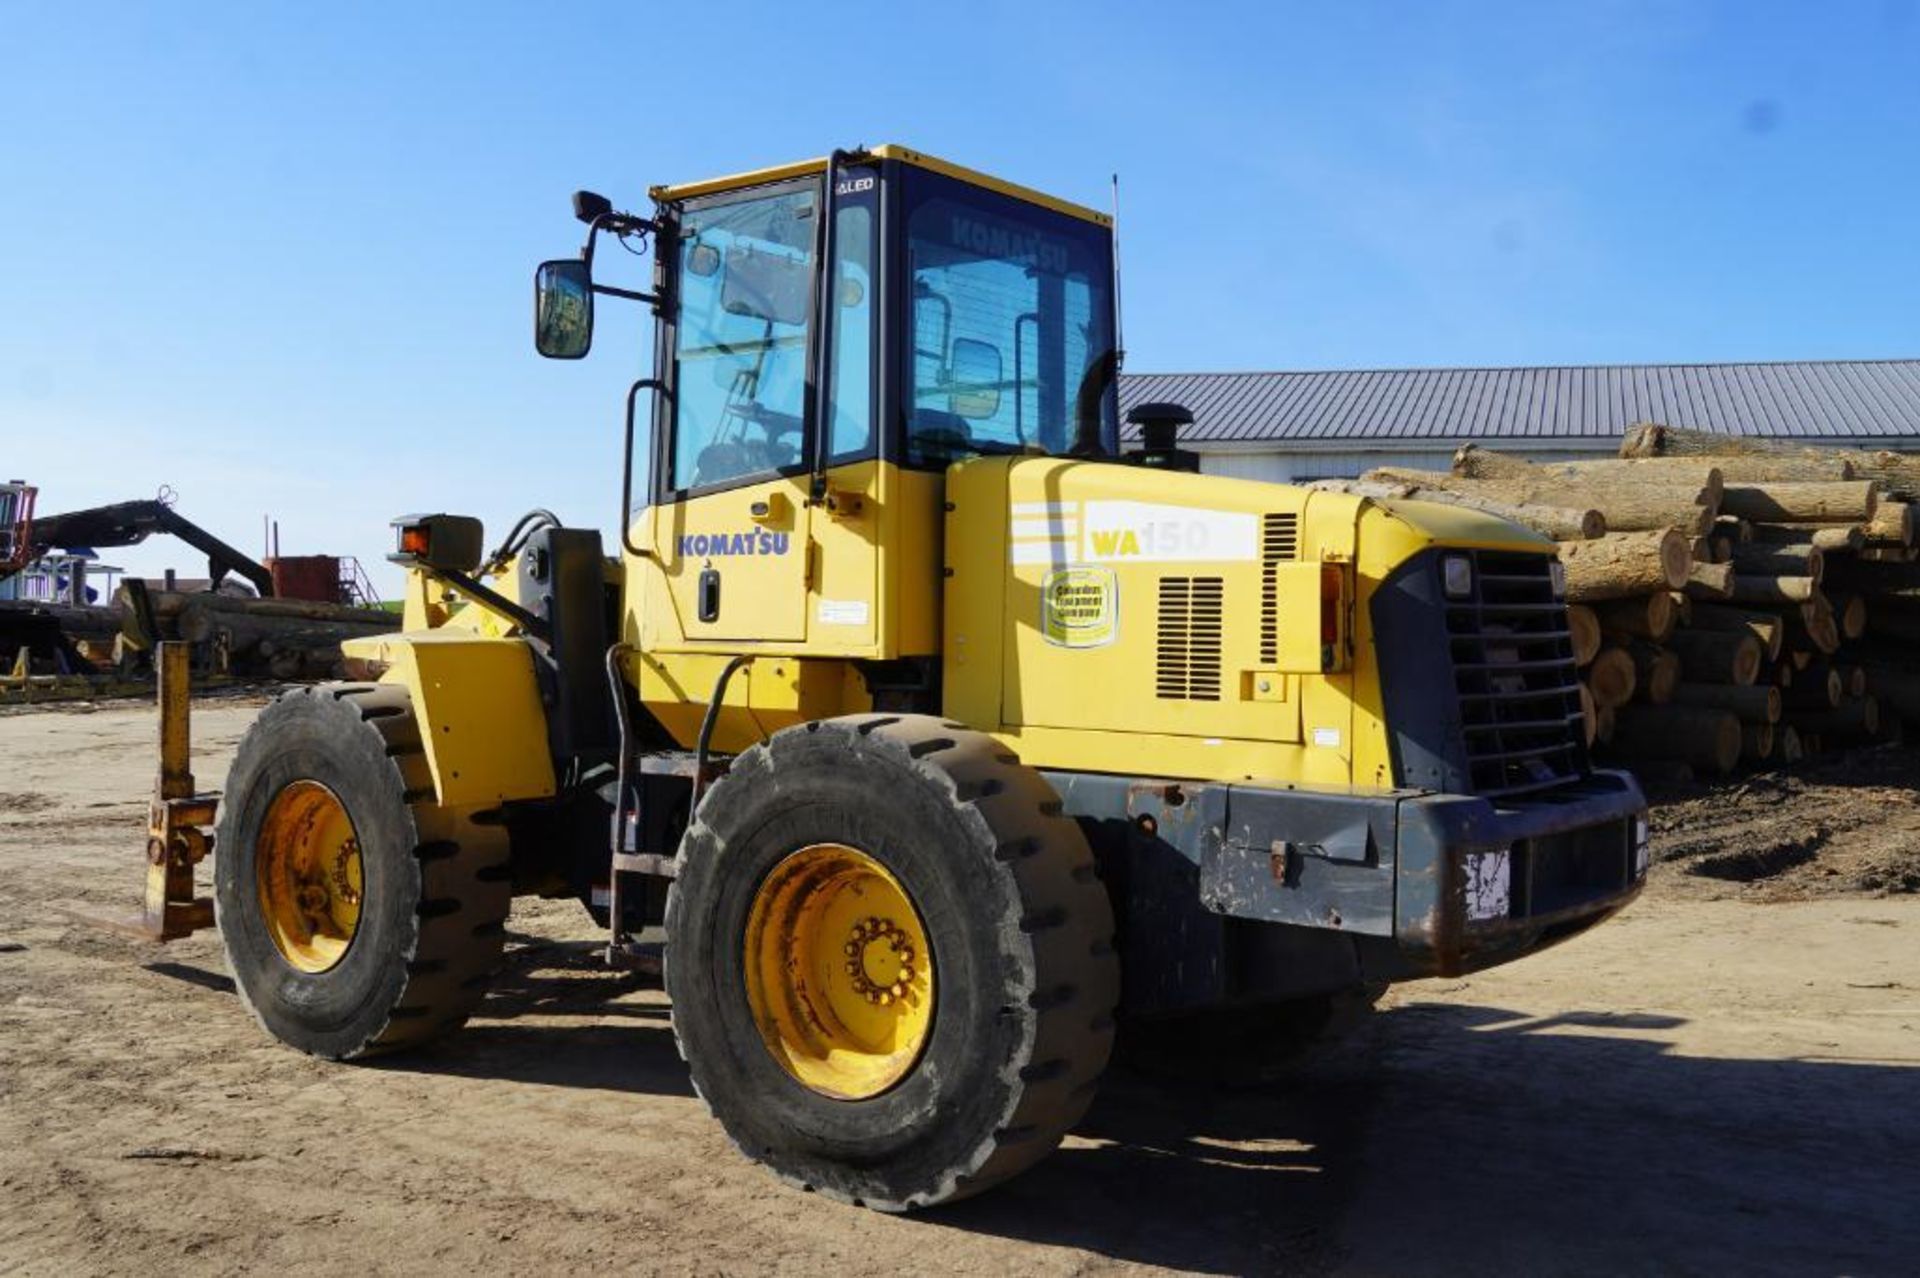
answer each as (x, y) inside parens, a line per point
(482, 721)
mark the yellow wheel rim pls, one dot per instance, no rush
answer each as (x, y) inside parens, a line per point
(307, 860)
(839, 972)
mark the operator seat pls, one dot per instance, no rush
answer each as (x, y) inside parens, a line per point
(938, 433)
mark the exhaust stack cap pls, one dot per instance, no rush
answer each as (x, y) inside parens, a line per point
(1159, 424)
(1160, 434)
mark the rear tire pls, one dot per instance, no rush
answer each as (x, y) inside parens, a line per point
(387, 943)
(1017, 927)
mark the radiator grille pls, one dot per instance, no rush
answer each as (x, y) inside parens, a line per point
(1513, 668)
(1279, 540)
(1187, 655)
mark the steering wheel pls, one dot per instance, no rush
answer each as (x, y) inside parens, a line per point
(772, 421)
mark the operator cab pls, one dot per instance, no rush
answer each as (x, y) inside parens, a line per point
(962, 316)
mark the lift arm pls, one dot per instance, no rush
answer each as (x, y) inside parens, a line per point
(129, 523)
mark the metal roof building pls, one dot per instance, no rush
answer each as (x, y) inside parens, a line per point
(1314, 425)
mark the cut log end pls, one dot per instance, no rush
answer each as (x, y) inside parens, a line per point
(1612, 677)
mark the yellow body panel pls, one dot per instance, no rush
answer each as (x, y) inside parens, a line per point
(857, 577)
(1047, 611)
(890, 151)
(1130, 543)
(481, 720)
(771, 693)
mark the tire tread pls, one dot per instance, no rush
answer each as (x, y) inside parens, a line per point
(1063, 920)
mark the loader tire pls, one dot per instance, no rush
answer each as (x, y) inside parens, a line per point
(358, 915)
(841, 846)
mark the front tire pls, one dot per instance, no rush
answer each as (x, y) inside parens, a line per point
(358, 915)
(957, 1030)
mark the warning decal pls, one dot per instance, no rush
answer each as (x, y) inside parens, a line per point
(1080, 607)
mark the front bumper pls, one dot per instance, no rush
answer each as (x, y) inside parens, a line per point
(1476, 884)
(1427, 884)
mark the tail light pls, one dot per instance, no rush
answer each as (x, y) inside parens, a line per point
(1333, 616)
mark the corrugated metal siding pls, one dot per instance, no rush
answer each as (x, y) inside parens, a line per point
(1282, 466)
(1851, 400)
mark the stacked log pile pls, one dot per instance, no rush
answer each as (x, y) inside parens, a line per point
(1731, 601)
(283, 638)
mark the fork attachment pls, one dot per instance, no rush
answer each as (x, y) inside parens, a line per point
(178, 819)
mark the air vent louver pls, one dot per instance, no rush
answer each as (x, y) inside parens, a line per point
(1279, 541)
(1188, 649)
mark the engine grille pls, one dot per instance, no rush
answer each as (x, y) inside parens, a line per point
(1513, 670)
(1187, 643)
(1279, 541)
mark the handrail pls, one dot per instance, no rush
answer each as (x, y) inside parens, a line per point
(626, 467)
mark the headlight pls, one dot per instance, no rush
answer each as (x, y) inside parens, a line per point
(1456, 575)
(1642, 843)
(1557, 574)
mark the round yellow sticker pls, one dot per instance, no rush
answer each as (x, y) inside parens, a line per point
(1079, 607)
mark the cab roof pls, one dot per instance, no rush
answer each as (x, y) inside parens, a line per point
(889, 151)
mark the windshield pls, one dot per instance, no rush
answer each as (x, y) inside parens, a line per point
(1010, 319)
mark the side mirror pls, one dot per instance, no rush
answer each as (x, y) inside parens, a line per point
(563, 309)
(973, 378)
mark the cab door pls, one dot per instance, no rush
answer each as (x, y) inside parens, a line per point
(736, 561)
(747, 553)
(730, 521)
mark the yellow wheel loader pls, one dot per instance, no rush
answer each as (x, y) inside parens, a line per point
(944, 739)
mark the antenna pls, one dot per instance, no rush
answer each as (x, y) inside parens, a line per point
(1119, 338)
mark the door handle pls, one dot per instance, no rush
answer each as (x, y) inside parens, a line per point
(709, 595)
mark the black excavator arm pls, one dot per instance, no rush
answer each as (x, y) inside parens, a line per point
(128, 523)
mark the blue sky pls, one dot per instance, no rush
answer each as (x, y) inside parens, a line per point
(278, 257)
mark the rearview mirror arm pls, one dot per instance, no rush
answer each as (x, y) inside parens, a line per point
(623, 224)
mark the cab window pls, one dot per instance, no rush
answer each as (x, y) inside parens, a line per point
(1010, 323)
(853, 325)
(740, 338)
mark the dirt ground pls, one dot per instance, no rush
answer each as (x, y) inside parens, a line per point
(1842, 824)
(1724, 1079)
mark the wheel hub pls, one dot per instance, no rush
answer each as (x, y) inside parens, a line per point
(880, 960)
(840, 976)
(307, 862)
